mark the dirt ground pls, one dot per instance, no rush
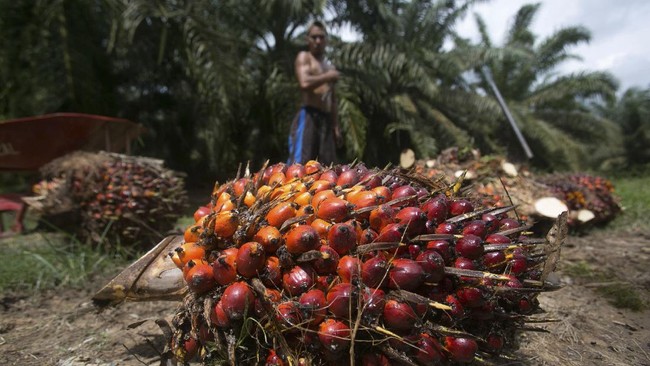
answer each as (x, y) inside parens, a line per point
(63, 328)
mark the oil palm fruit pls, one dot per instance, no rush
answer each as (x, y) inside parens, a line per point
(386, 267)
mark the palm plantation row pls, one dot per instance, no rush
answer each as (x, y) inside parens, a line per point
(213, 81)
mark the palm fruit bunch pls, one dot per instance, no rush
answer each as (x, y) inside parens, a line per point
(112, 196)
(313, 265)
(586, 192)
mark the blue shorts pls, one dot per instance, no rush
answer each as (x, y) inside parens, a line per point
(312, 137)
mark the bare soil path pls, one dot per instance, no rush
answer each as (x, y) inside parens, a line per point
(62, 327)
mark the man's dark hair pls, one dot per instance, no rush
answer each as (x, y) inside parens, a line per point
(317, 23)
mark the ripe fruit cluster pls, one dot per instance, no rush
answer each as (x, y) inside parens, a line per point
(305, 264)
(113, 196)
(584, 191)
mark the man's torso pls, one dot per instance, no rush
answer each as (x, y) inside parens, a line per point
(321, 97)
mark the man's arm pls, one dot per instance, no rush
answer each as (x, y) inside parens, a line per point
(310, 82)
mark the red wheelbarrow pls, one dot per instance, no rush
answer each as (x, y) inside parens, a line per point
(26, 144)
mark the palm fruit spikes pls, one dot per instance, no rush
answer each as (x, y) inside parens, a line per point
(305, 264)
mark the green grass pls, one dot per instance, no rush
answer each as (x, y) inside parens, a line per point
(635, 198)
(44, 261)
(618, 292)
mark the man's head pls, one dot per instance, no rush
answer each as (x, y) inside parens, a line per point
(317, 38)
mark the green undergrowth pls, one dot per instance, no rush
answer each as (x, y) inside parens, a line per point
(634, 195)
(617, 291)
(41, 261)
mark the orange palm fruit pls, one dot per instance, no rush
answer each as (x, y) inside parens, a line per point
(333, 209)
(320, 196)
(280, 213)
(192, 233)
(301, 239)
(270, 238)
(187, 252)
(320, 185)
(321, 226)
(225, 224)
(303, 199)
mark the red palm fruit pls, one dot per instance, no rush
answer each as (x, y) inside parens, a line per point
(428, 350)
(494, 261)
(494, 342)
(348, 268)
(225, 224)
(270, 238)
(374, 300)
(461, 349)
(280, 213)
(374, 272)
(442, 247)
(457, 310)
(432, 264)
(300, 239)
(404, 191)
(328, 262)
(436, 208)
(218, 317)
(312, 167)
(299, 279)
(414, 218)
(405, 274)
(491, 222)
(271, 274)
(239, 186)
(273, 169)
(189, 348)
(470, 297)
(329, 175)
(250, 259)
(321, 196)
(325, 282)
(381, 216)
(224, 268)
(200, 278)
(339, 300)
(508, 223)
(333, 209)
(368, 235)
(201, 212)
(464, 263)
(446, 228)
(334, 335)
(273, 359)
(399, 316)
(190, 264)
(517, 266)
(370, 180)
(187, 252)
(392, 233)
(460, 206)
(347, 178)
(475, 227)
(321, 226)
(237, 300)
(295, 171)
(277, 179)
(470, 246)
(497, 239)
(288, 314)
(314, 306)
(321, 185)
(342, 237)
(192, 233)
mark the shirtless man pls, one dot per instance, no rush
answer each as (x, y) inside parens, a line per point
(315, 131)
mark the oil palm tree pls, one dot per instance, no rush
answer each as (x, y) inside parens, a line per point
(551, 108)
